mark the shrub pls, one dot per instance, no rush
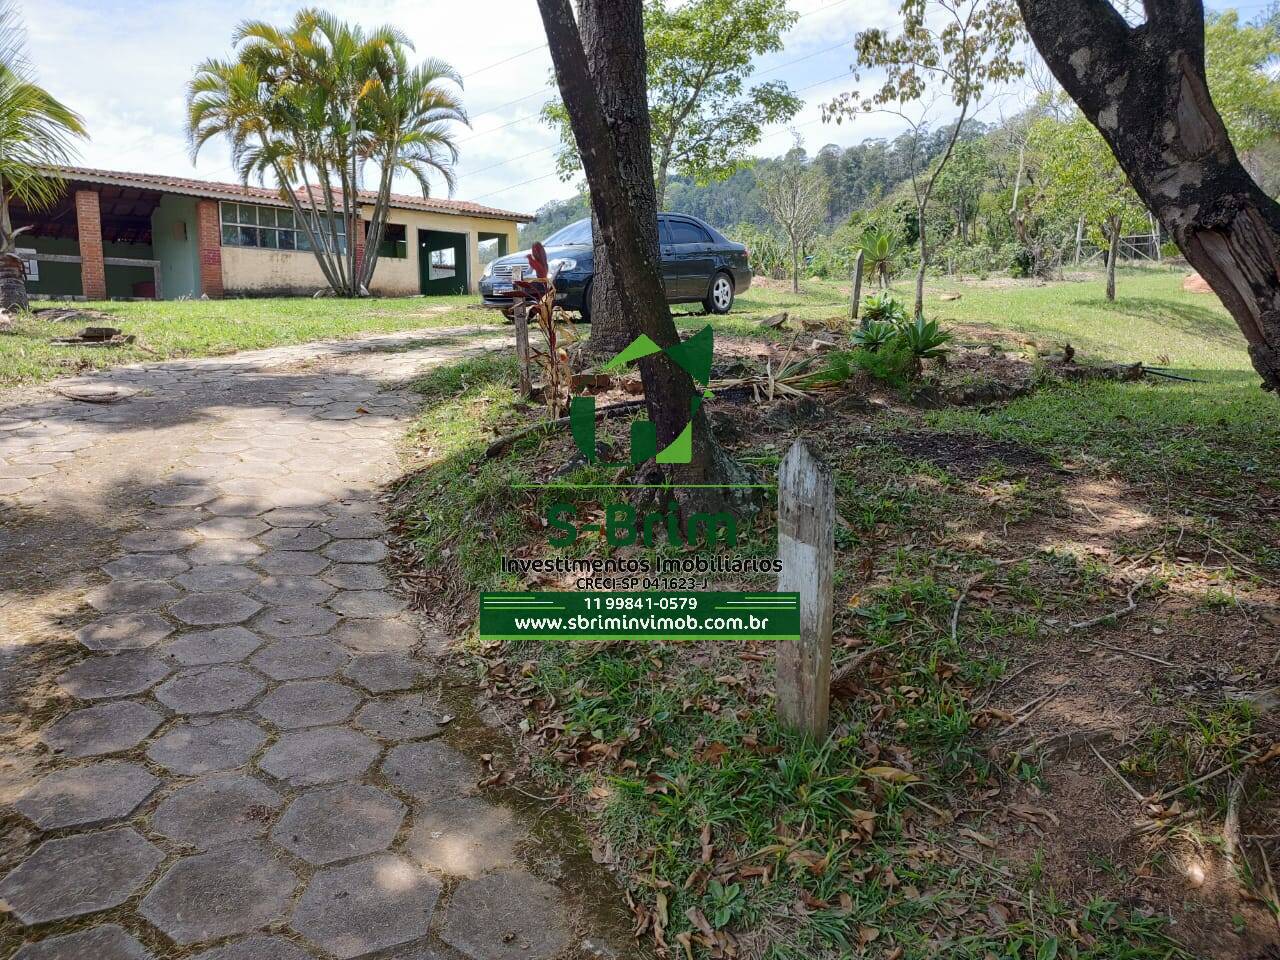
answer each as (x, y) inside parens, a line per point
(874, 334)
(883, 306)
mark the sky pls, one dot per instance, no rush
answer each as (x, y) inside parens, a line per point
(125, 66)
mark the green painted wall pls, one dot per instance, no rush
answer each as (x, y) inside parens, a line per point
(175, 246)
(63, 279)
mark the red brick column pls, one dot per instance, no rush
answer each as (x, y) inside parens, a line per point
(93, 272)
(209, 246)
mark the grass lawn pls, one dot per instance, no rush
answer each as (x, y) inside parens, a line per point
(939, 819)
(201, 328)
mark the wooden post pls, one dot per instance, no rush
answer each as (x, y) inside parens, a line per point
(806, 548)
(521, 316)
(855, 296)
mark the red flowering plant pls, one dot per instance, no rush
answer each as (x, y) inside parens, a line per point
(538, 295)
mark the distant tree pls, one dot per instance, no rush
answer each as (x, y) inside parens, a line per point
(703, 118)
(310, 106)
(947, 49)
(795, 196)
(961, 182)
(1080, 177)
(1146, 91)
(36, 130)
(1240, 63)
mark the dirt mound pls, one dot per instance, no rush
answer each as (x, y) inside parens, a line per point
(1194, 283)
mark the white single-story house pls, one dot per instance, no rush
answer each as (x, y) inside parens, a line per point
(120, 234)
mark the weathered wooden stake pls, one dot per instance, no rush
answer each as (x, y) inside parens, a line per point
(855, 295)
(806, 547)
(521, 316)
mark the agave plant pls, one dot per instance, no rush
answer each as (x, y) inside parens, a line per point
(879, 251)
(925, 339)
(874, 334)
(883, 307)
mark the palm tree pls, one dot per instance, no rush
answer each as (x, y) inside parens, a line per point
(311, 105)
(36, 130)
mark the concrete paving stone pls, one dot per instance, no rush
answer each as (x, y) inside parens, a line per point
(103, 728)
(87, 795)
(223, 552)
(356, 576)
(237, 888)
(430, 770)
(222, 645)
(207, 745)
(320, 755)
(73, 876)
(257, 487)
(292, 563)
(210, 609)
(183, 495)
(293, 590)
(356, 551)
(355, 528)
(301, 659)
(330, 824)
(292, 495)
(119, 596)
(222, 446)
(146, 566)
(42, 456)
(292, 622)
(231, 528)
(378, 636)
(215, 689)
(308, 703)
(256, 948)
(295, 538)
(367, 604)
(71, 444)
(507, 916)
(118, 675)
(12, 486)
(366, 906)
(25, 471)
(124, 631)
(157, 541)
(385, 672)
(408, 717)
(107, 942)
(207, 463)
(464, 837)
(173, 518)
(217, 810)
(294, 517)
(215, 577)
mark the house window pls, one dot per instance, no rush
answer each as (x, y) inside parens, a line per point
(442, 265)
(273, 228)
(394, 243)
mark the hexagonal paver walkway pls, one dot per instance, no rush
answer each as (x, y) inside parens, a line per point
(240, 740)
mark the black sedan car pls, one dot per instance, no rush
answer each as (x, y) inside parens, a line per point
(699, 265)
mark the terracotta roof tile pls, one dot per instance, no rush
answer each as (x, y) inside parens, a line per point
(236, 191)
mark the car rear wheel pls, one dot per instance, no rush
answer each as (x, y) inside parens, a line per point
(584, 314)
(720, 296)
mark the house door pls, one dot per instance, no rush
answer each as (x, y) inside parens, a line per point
(442, 262)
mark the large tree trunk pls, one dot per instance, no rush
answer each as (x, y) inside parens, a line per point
(623, 206)
(619, 78)
(1144, 89)
(1113, 254)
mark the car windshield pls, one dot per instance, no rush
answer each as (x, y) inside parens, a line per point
(574, 235)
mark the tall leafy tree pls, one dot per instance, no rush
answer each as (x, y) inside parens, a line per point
(1240, 62)
(36, 130)
(1080, 178)
(704, 118)
(947, 50)
(310, 106)
(622, 208)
